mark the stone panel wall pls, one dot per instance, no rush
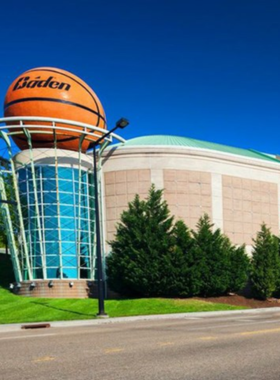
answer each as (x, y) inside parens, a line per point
(188, 194)
(120, 188)
(246, 204)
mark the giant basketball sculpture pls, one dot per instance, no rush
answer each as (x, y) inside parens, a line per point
(55, 93)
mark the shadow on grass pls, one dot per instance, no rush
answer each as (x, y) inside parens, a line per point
(61, 309)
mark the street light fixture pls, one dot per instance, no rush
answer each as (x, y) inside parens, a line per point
(122, 123)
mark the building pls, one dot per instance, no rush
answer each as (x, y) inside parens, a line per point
(53, 241)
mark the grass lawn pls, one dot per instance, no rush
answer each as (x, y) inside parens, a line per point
(18, 309)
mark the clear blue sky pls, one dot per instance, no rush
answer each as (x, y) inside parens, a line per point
(206, 69)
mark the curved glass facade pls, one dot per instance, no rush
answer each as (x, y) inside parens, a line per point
(58, 221)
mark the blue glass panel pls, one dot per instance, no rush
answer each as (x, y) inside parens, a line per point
(51, 222)
(21, 175)
(68, 248)
(50, 209)
(37, 261)
(85, 176)
(50, 197)
(30, 185)
(77, 187)
(76, 175)
(52, 273)
(34, 236)
(49, 185)
(37, 273)
(82, 199)
(28, 173)
(52, 261)
(65, 173)
(51, 235)
(68, 235)
(84, 225)
(67, 210)
(69, 261)
(70, 273)
(22, 187)
(48, 172)
(23, 202)
(33, 225)
(32, 211)
(83, 185)
(32, 197)
(36, 248)
(84, 212)
(68, 223)
(52, 248)
(66, 198)
(84, 261)
(64, 185)
(84, 237)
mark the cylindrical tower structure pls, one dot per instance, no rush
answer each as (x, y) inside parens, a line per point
(57, 196)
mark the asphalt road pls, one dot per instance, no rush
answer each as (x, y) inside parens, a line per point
(235, 346)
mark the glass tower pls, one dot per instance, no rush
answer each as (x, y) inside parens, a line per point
(58, 220)
(50, 214)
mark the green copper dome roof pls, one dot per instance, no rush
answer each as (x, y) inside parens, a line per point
(177, 141)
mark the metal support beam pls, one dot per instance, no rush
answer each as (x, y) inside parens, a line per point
(5, 211)
(5, 137)
(36, 201)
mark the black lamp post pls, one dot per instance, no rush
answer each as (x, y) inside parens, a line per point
(122, 123)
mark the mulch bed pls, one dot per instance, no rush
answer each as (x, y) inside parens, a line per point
(237, 300)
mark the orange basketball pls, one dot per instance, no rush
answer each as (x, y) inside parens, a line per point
(55, 93)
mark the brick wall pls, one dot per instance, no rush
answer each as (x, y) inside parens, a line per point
(60, 289)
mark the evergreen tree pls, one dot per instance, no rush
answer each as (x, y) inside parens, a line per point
(180, 278)
(277, 291)
(265, 272)
(139, 262)
(238, 269)
(211, 251)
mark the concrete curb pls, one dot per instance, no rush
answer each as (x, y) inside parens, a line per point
(101, 321)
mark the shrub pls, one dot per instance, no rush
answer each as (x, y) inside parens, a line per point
(265, 271)
(181, 280)
(238, 269)
(211, 251)
(139, 260)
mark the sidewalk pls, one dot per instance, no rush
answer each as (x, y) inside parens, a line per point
(100, 321)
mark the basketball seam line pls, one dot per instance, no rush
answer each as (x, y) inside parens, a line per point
(53, 100)
(75, 80)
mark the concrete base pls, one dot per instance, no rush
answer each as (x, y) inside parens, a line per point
(60, 289)
(54, 288)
